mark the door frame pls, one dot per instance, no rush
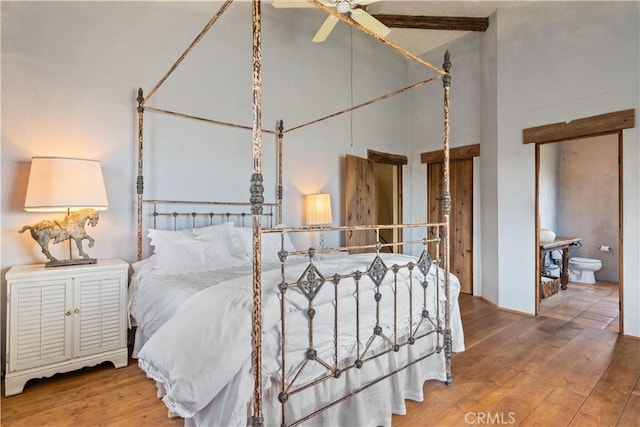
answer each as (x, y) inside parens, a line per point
(587, 127)
(467, 152)
(397, 160)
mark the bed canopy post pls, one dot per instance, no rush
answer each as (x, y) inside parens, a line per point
(279, 194)
(140, 179)
(257, 200)
(446, 210)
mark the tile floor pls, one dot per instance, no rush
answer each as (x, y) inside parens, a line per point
(595, 306)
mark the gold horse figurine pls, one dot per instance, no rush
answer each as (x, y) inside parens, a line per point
(71, 228)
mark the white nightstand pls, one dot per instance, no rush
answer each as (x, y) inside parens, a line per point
(64, 318)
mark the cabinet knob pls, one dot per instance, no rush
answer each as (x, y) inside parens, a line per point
(68, 313)
(77, 310)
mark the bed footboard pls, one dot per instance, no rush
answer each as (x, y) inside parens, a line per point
(382, 305)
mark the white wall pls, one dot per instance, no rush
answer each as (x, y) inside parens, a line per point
(70, 72)
(488, 112)
(539, 63)
(425, 130)
(549, 182)
(558, 61)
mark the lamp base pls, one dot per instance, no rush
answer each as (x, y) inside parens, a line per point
(66, 262)
(321, 241)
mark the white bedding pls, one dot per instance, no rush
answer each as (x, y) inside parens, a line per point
(201, 355)
(155, 297)
(187, 261)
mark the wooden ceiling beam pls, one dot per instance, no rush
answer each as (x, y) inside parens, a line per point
(450, 23)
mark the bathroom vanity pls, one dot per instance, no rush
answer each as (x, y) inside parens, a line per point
(564, 244)
(560, 243)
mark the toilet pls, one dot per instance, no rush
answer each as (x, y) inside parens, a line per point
(583, 269)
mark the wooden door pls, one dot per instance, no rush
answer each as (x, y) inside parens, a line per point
(359, 201)
(461, 218)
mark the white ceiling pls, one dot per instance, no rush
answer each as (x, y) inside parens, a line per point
(420, 41)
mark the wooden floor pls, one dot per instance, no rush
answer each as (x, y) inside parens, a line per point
(517, 370)
(590, 305)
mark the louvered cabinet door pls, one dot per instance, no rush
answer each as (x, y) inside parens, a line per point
(98, 315)
(64, 318)
(39, 323)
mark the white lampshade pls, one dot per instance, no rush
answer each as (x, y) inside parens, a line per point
(318, 209)
(59, 184)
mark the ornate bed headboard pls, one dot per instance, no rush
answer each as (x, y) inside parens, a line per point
(184, 214)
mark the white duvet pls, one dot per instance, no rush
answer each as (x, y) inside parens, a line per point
(154, 298)
(201, 357)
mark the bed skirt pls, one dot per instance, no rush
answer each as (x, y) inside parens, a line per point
(373, 406)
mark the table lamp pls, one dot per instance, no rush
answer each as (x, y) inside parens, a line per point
(318, 212)
(63, 184)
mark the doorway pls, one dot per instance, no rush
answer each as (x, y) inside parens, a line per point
(386, 188)
(610, 123)
(579, 197)
(373, 196)
(461, 217)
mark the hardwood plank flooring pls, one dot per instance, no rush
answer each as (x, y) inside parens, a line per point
(516, 370)
(591, 305)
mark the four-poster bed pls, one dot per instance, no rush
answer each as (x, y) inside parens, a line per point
(327, 328)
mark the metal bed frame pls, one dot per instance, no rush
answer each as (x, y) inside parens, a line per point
(313, 279)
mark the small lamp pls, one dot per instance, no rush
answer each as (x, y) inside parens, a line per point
(318, 211)
(62, 184)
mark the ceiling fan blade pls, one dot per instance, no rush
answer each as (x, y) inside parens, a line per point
(325, 29)
(366, 2)
(291, 3)
(369, 22)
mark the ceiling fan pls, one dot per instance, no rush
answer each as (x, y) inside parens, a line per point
(352, 7)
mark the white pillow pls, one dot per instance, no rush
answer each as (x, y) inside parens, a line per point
(271, 244)
(162, 238)
(212, 232)
(219, 251)
(177, 252)
(242, 243)
(194, 251)
(288, 244)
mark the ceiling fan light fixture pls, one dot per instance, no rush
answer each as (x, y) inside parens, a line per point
(352, 7)
(343, 6)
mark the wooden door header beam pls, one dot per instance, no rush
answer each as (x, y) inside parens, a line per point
(450, 23)
(456, 153)
(392, 159)
(581, 128)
